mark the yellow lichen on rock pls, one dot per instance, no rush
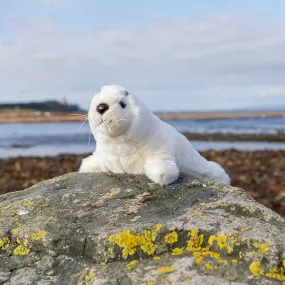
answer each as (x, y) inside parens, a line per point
(163, 270)
(256, 269)
(223, 261)
(147, 244)
(104, 262)
(21, 250)
(206, 206)
(132, 264)
(177, 251)
(148, 247)
(128, 242)
(274, 272)
(280, 277)
(150, 283)
(26, 241)
(16, 230)
(90, 278)
(111, 251)
(263, 248)
(171, 237)
(220, 239)
(196, 240)
(39, 235)
(146, 241)
(158, 227)
(198, 259)
(211, 254)
(205, 248)
(274, 269)
(27, 204)
(209, 266)
(223, 242)
(4, 243)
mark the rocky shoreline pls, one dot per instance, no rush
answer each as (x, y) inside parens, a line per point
(260, 173)
(230, 137)
(30, 116)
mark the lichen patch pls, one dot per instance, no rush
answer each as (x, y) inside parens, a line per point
(163, 270)
(132, 264)
(129, 242)
(21, 250)
(195, 241)
(4, 243)
(39, 235)
(171, 237)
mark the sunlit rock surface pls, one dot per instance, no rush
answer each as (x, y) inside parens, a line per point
(124, 229)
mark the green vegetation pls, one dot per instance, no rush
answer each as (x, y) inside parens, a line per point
(49, 106)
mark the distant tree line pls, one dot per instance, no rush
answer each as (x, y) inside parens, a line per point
(47, 106)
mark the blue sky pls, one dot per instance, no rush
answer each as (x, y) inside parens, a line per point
(176, 55)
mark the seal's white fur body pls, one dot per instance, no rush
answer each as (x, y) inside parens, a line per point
(134, 140)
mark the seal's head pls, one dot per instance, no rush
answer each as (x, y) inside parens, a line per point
(114, 111)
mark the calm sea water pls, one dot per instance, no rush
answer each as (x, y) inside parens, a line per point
(56, 138)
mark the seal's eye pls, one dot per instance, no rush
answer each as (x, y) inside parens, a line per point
(127, 93)
(122, 104)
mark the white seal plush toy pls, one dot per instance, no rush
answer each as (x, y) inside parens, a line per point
(131, 139)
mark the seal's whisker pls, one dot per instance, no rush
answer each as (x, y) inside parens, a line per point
(127, 113)
(74, 114)
(107, 126)
(123, 118)
(89, 137)
(79, 117)
(82, 125)
(117, 121)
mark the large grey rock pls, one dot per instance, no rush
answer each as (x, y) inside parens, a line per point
(123, 229)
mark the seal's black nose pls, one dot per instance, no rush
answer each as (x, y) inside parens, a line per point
(102, 108)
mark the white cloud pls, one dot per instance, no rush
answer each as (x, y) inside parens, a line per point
(189, 64)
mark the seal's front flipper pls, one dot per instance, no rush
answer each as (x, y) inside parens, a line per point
(90, 164)
(161, 171)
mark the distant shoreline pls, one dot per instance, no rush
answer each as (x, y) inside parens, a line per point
(230, 137)
(220, 115)
(20, 116)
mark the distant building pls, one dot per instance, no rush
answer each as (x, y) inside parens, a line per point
(64, 101)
